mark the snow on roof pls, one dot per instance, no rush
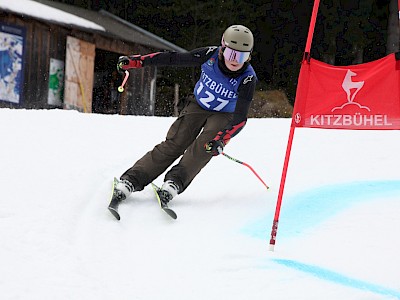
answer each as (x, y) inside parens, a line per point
(45, 12)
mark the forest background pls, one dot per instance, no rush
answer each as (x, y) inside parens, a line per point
(346, 32)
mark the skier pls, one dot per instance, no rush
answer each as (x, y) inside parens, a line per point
(212, 115)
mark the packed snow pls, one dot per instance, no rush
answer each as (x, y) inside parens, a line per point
(338, 235)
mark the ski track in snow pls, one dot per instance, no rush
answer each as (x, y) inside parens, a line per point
(337, 235)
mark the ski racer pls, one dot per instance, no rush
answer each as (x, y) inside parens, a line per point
(212, 115)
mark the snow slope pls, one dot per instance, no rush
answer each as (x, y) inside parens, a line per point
(337, 239)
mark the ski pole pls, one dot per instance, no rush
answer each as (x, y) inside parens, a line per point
(247, 165)
(121, 87)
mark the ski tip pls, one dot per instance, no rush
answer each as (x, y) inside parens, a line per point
(114, 213)
(171, 213)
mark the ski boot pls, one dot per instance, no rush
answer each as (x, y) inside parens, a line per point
(121, 190)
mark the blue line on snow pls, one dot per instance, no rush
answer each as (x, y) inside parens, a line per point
(326, 274)
(309, 208)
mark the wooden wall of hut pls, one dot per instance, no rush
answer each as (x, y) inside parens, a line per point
(45, 40)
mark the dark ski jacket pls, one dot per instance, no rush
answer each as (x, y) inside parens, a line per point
(198, 57)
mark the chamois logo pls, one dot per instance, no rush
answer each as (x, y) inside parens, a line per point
(351, 88)
(348, 85)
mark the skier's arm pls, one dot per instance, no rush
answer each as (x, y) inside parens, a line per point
(245, 96)
(246, 93)
(195, 57)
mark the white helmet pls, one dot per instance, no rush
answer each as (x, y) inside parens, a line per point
(238, 37)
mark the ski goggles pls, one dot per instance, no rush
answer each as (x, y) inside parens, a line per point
(234, 55)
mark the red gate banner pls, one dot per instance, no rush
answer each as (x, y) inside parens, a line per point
(364, 96)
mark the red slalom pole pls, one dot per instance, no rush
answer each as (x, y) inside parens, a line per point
(247, 165)
(291, 135)
(274, 230)
(312, 26)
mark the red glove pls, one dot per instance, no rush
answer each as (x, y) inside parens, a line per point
(217, 144)
(129, 62)
(214, 147)
(133, 61)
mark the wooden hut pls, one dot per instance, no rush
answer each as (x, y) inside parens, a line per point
(55, 55)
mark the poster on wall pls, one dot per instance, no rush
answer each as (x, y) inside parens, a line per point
(56, 82)
(11, 63)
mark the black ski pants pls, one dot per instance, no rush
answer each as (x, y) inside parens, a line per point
(186, 137)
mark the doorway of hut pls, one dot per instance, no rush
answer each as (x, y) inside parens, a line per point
(106, 99)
